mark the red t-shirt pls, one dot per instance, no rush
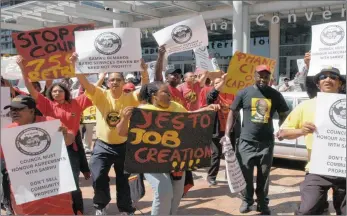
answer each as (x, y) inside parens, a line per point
(203, 94)
(191, 95)
(224, 100)
(68, 113)
(176, 96)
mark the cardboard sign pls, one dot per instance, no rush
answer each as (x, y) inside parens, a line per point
(328, 155)
(5, 100)
(109, 50)
(47, 51)
(160, 142)
(89, 115)
(241, 71)
(10, 69)
(185, 35)
(37, 161)
(328, 47)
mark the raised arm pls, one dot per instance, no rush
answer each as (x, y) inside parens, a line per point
(159, 66)
(203, 78)
(27, 82)
(144, 73)
(100, 80)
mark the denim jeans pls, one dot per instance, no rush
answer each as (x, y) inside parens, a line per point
(167, 193)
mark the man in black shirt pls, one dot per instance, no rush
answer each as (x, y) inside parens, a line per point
(255, 148)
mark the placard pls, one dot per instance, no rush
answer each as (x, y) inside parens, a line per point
(301, 65)
(241, 71)
(37, 161)
(328, 47)
(5, 100)
(328, 155)
(160, 142)
(47, 51)
(89, 115)
(185, 35)
(10, 69)
(202, 59)
(151, 70)
(109, 50)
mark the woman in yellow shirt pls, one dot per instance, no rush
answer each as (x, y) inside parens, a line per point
(168, 189)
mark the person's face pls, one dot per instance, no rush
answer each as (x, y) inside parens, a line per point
(173, 79)
(58, 93)
(262, 107)
(22, 116)
(189, 77)
(262, 79)
(115, 81)
(329, 82)
(163, 97)
(286, 82)
(217, 82)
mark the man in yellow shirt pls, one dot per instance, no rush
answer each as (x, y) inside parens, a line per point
(109, 148)
(300, 122)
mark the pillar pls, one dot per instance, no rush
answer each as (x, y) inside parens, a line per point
(274, 37)
(237, 26)
(245, 29)
(116, 23)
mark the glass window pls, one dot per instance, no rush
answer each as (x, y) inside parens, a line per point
(290, 102)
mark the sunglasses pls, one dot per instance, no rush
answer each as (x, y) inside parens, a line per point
(331, 76)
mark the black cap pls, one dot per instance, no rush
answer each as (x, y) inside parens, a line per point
(173, 71)
(331, 70)
(286, 79)
(22, 101)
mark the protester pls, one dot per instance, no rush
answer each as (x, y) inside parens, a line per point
(204, 91)
(168, 188)
(128, 87)
(22, 112)
(58, 104)
(109, 148)
(299, 123)
(286, 87)
(255, 148)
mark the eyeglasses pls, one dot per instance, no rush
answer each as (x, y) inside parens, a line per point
(331, 76)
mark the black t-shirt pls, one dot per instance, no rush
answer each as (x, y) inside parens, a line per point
(258, 107)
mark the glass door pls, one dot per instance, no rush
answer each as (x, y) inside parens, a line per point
(292, 66)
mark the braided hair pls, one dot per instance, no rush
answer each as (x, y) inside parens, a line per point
(147, 91)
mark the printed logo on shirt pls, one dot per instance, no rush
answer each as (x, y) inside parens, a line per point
(260, 110)
(108, 43)
(33, 141)
(191, 96)
(337, 113)
(112, 119)
(332, 35)
(181, 34)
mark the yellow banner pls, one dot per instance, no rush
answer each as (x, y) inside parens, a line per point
(241, 71)
(89, 115)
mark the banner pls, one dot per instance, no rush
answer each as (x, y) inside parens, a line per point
(37, 161)
(161, 142)
(89, 115)
(47, 51)
(241, 71)
(328, 47)
(10, 69)
(185, 35)
(109, 50)
(328, 155)
(5, 100)
(202, 59)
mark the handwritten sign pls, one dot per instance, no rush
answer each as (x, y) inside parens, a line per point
(47, 51)
(241, 71)
(328, 47)
(89, 115)
(10, 69)
(328, 155)
(37, 161)
(109, 50)
(5, 100)
(183, 36)
(160, 142)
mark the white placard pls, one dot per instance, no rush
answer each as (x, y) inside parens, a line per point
(151, 70)
(10, 69)
(329, 143)
(185, 35)
(328, 47)
(108, 50)
(5, 100)
(202, 59)
(215, 65)
(301, 65)
(37, 161)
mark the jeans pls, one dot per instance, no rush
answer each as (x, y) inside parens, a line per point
(167, 193)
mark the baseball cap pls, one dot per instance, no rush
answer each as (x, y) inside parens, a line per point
(173, 71)
(331, 70)
(22, 101)
(129, 87)
(260, 68)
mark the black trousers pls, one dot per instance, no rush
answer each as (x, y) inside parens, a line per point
(249, 155)
(103, 156)
(216, 148)
(314, 190)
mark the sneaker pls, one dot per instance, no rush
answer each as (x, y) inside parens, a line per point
(245, 207)
(264, 210)
(211, 182)
(100, 211)
(128, 211)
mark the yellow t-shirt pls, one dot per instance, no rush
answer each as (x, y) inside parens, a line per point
(108, 113)
(174, 107)
(304, 112)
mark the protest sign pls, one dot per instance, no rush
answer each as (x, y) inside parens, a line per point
(161, 142)
(37, 161)
(301, 65)
(328, 47)
(151, 70)
(109, 50)
(215, 65)
(328, 155)
(10, 69)
(46, 51)
(202, 59)
(89, 115)
(5, 100)
(241, 71)
(185, 35)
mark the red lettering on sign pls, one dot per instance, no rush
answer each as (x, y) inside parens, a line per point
(148, 119)
(176, 156)
(208, 152)
(137, 155)
(161, 117)
(199, 153)
(163, 154)
(203, 119)
(177, 124)
(151, 154)
(240, 55)
(194, 117)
